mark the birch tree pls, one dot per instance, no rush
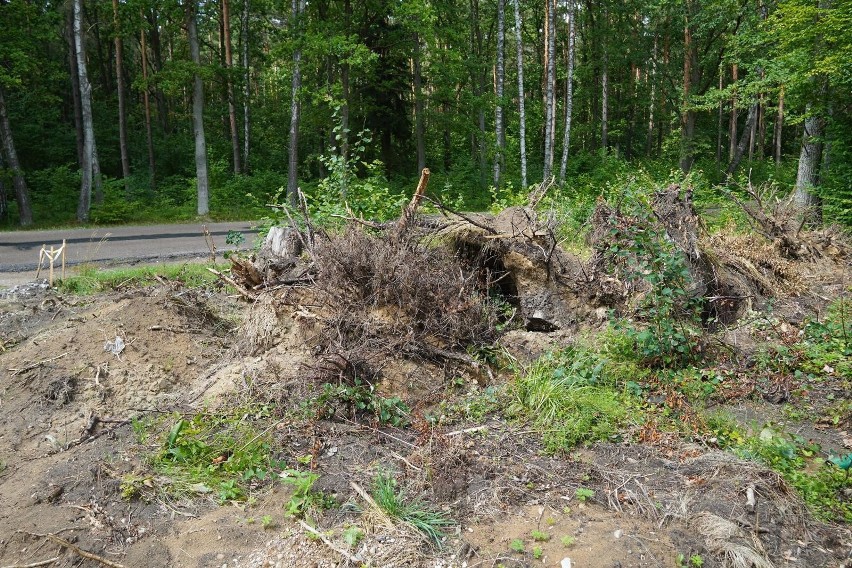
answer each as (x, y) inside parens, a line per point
(522, 115)
(198, 113)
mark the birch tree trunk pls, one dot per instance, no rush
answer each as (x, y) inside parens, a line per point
(22, 194)
(519, 45)
(732, 130)
(244, 48)
(569, 94)
(147, 104)
(649, 141)
(85, 202)
(4, 204)
(298, 8)
(75, 82)
(198, 113)
(779, 126)
(807, 177)
(500, 75)
(550, 80)
(122, 110)
(229, 65)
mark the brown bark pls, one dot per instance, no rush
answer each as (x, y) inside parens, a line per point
(22, 196)
(75, 82)
(229, 64)
(779, 126)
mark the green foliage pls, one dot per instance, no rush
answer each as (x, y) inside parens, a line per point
(352, 536)
(568, 541)
(304, 499)
(360, 399)
(207, 453)
(394, 503)
(570, 398)
(584, 494)
(540, 536)
(517, 545)
(828, 343)
(537, 552)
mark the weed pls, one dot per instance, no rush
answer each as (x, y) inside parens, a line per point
(208, 453)
(304, 498)
(540, 536)
(393, 502)
(583, 494)
(567, 541)
(90, 280)
(360, 399)
(569, 400)
(517, 545)
(537, 552)
(352, 536)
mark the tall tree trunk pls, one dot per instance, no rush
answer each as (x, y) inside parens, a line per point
(122, 111)
(147, 103)
(687, 118)
(479, 80)
(22, 194)
(519, 45)
(807, 177)
(604, 100)
(550, 80)
(418, 108)
(779, 126)
(740, 149)
(229, 65)
(344, 83)
(649, 141)
(500, 75)
(157, 52)
(569, 93)
(298, 8)
(198, 113)
(97, 178)
(720, 121)
(732, 123)
(85, 201)
(244, 47)
(75, 82)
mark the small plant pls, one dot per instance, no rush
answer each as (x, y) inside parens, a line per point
(266, 522)
(537, 552)
(352, 536)
(360, 399)
(567, 541)
(540, 536)
(393, 502)
(304, 498)
(583, 494)
(696, 561)
(517, 545)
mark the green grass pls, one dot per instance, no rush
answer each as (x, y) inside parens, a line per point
(218, 454)
(573, 397)
(89, 279)
(393, 502)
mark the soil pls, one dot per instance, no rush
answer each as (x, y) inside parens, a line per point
(69, 408)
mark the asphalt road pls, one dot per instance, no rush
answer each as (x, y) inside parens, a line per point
(19, 250)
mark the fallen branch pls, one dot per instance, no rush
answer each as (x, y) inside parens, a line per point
(372, 503)
(73, 548)
(34, 564)
(246, 293)
(32, 366)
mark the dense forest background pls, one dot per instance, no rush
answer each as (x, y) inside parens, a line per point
(139, 110)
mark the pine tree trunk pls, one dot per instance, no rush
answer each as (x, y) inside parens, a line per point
(500, 75)
(198, 114)
(419, 135)
(519, 45)
(244, 48)
(85, 201)
(229, 65)
(687, 121)
(720, 121)
(22, 194)
(550, 80)
(807, 177)
(147, 104)
(4, 204)
(157, 52)
(122, 110)
(779, 126)
(649, 141)
(298, 8)
(604, 101)
(569, 93)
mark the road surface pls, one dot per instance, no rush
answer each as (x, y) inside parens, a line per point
(19, 250)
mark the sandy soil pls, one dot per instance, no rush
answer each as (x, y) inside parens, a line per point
(67, 440)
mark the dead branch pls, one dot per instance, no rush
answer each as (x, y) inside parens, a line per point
(409, 212)
(76, 549)
(443, 207)
(35, 564)
(32, 366)
(229, 280)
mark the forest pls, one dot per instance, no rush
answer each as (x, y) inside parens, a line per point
(142, 110)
